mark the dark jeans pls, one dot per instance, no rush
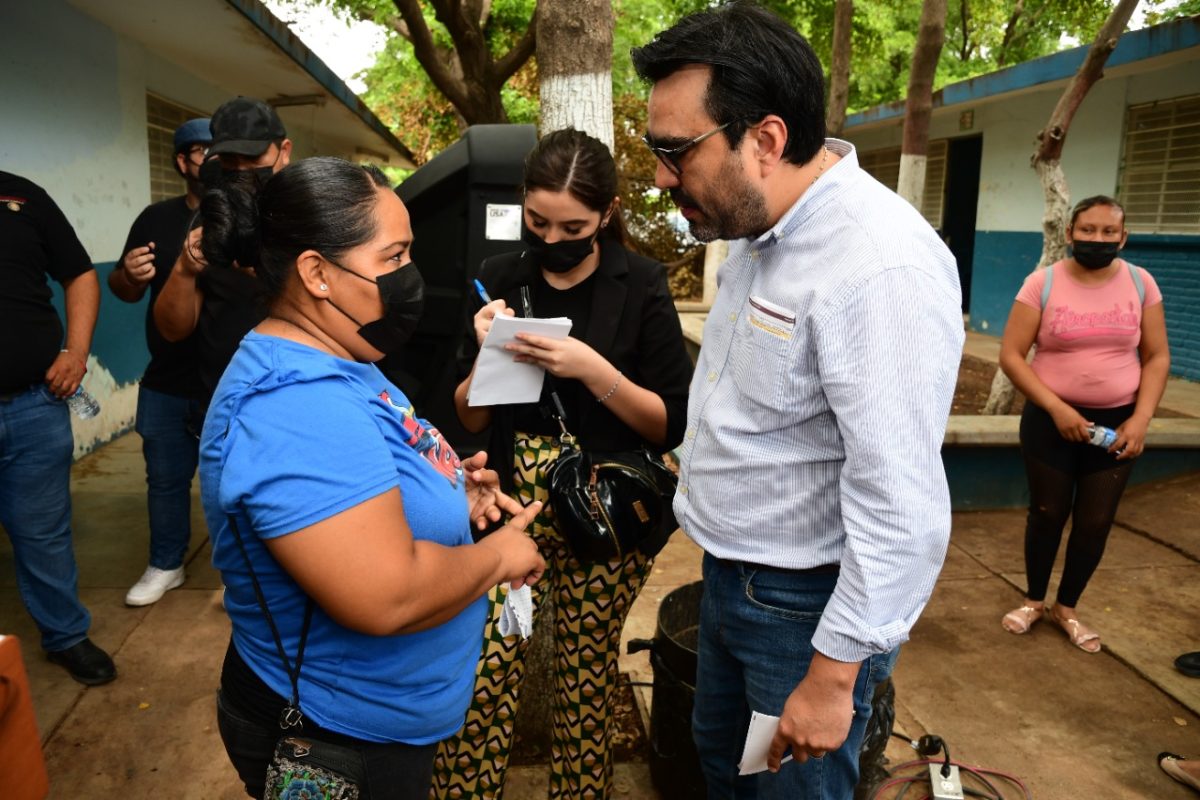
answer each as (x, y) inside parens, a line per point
(35, 510)
(393, 771)
(756, 629)
(170, 431)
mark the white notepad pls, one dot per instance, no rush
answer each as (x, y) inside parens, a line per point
(498, 379)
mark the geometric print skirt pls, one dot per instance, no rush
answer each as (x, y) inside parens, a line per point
(591, 602)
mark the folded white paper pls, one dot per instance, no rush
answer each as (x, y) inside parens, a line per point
(499, 380)
(516, 616)
(758, 744)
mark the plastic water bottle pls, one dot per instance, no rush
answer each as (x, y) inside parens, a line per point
(82, 404)
(1102, 436)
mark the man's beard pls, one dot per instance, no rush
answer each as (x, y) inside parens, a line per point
(740, 213)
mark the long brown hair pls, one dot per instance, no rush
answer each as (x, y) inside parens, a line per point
(572, 161)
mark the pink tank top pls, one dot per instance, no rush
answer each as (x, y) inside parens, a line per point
(1087, 342)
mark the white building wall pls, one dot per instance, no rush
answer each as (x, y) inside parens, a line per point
(1010, 197)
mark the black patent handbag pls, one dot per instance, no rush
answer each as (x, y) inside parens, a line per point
(606, 505)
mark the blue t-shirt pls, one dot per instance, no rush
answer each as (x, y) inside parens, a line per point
(294, 436)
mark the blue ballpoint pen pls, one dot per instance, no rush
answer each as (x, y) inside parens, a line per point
(483, 295)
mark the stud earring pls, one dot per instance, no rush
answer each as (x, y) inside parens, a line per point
(324, 288)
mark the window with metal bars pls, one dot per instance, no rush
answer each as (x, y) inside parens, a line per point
(162, 118)
(1160, 167)
(884, 166)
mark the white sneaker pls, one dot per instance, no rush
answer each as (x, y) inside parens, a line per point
(153, 584)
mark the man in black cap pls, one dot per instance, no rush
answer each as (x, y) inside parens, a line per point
(220, 305)
(168, 411)
(39, 368)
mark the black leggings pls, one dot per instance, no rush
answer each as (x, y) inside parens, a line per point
(1081, 481)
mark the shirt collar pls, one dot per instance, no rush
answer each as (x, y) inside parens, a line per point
(826, 187)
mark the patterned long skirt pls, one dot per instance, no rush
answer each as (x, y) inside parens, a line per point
(591, 604)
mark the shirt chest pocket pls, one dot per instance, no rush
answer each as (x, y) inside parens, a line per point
(760, 355)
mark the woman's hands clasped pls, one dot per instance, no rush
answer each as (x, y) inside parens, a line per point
(562, 358)
(521, 563)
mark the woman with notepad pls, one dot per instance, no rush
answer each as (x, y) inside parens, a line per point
(622, 377)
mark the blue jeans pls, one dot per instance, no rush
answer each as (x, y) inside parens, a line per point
(170, 428)
(756, 629)
(35, 509)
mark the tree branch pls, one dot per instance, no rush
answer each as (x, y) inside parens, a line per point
(427, 53)
(1054, 135)
(514, 59)
(1010, 30)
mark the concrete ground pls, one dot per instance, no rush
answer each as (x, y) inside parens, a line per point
(1071, 725)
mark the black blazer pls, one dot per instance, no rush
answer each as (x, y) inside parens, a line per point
(633, 324)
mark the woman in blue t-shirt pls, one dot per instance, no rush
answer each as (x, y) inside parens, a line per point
(330, 502)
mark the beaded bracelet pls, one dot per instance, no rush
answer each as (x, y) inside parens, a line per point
(613, 390)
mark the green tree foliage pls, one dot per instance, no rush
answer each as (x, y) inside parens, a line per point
(981, 36)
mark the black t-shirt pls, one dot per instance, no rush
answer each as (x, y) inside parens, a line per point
(576, 305)
(36, 240)
(172, 367)
(232, 307)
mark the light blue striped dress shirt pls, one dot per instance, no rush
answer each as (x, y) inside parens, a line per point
(819, 405)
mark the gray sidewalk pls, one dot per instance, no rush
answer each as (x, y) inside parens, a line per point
(1071, 725)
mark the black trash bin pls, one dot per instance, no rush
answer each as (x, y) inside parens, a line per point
(674, 765)
(465, 205)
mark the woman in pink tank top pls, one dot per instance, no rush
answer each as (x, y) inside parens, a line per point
(1101, 360)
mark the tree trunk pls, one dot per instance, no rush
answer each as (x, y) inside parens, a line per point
(574, 55)
(839, 68)
(470, 77)
(918, 106)
(1047, 162)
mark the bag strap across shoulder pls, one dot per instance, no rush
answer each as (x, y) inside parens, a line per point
(291, 716)
(1138, 284)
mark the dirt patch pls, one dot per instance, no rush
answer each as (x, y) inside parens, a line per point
(974, 384)
(627, 738)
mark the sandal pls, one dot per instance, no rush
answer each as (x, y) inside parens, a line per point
(1022, 619)
(1080, 635)
(1168, 762)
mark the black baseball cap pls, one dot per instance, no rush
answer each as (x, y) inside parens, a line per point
(245, 126)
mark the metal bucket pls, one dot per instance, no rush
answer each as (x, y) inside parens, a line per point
(674, 765)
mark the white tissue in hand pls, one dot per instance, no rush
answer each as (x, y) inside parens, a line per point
(517, 614)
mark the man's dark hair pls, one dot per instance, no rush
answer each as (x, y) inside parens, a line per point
(760, 65)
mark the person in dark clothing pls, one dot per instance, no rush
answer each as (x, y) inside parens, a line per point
(36, 444)
(218, 307)
(622, 377)
(168, 412)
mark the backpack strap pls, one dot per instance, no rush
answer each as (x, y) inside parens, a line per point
(1046, 286)
(1137, 282)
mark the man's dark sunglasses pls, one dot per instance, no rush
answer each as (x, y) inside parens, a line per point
(670, 156)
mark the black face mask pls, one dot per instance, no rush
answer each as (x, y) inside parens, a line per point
(403, 295)
(1095, 255)
(558, 257)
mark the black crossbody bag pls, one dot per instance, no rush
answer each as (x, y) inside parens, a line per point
(301, 765)
(606, 505)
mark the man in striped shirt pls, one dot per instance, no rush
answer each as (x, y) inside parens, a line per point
(811, 470)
